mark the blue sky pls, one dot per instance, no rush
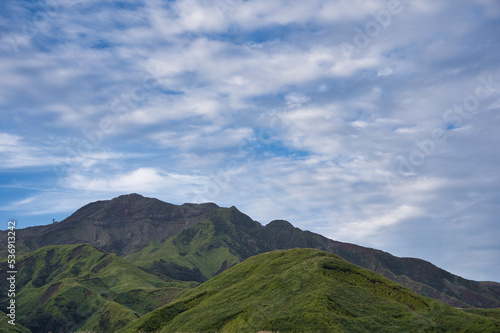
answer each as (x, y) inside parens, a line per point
(371, 122)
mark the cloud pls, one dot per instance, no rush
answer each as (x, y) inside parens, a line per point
(262, 105)
(146, 180)
(377, 219)
(211, 139)
(17, 154)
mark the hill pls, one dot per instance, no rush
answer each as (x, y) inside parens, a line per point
(306, 290)
(194, 242)
(69, 287)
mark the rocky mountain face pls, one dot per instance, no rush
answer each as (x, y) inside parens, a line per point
(123, 225)
(195, 242)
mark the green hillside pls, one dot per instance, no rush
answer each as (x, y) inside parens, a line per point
(306, 290)
(221, 240)
(69, 287)
(8, 328)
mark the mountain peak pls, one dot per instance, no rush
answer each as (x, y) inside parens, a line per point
(130, 196)
(208, 205)
(124, 224)
(280, 224)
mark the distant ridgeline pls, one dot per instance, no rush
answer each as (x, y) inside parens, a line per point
(144, 260)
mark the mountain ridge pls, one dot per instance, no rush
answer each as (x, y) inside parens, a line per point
(198, 241)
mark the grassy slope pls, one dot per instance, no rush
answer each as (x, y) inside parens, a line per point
(8, 328)
(305, 290)
(202, 250)
(79, 287)
(490, 313)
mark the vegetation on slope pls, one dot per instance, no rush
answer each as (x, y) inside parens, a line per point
(203, 250)
(69, 287)
(5, 327)
(305, 290)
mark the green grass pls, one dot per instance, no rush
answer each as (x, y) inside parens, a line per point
(490, 313)
(196, 248)
(305, 290)
(77, 287)
(5, 327)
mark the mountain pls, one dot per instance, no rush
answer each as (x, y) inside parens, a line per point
(196, 242)
(122, 225)
(62, 288)
(306, 290)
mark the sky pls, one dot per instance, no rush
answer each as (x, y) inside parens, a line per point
(369, 122)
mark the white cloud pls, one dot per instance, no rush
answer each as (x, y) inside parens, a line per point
(374, 223)
(8, 142)
(144, 180)
(15, 153)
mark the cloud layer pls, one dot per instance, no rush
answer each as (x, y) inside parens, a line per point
(368, 122)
